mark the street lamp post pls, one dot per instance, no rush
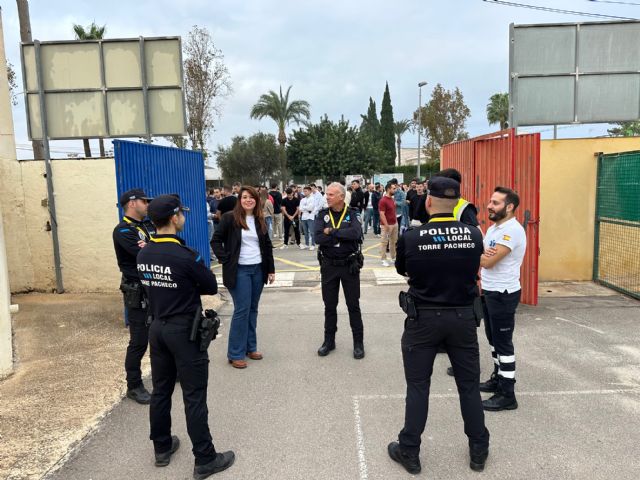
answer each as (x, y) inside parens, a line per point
(420, 85)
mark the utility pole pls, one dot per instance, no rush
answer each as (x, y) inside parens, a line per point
(420, 85)
(25, 37)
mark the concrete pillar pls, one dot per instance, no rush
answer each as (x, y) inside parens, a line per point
(7, 149)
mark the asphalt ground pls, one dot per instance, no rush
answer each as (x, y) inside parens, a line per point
(295, 415)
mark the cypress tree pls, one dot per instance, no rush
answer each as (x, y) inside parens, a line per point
(387, 135)
(370, 124)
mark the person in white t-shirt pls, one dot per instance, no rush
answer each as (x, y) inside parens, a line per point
(308, 211)
(505, 244)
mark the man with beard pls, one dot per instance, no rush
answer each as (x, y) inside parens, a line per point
(505, 244)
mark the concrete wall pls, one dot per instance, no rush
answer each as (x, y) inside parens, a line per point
(86, 213)
(568, 171)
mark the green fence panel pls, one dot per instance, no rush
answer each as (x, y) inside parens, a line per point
(617, 233)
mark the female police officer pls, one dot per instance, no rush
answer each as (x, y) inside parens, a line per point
(174, 277)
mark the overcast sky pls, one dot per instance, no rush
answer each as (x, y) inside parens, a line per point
(336, 54)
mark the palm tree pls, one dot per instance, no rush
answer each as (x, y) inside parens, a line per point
(400, 128)
(498, 110)
(277, 107)
(92, 32)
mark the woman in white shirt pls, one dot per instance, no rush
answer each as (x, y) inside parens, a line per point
(309, 209)
(242, 244)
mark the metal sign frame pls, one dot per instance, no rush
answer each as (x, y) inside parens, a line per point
(576, 74)
(145, 88)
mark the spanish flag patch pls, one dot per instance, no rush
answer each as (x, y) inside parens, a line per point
(506, 238)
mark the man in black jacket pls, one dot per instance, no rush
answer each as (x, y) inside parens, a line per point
(129, 237)
(174, 277)
(357, 196)
(376, 195)
(338, 234)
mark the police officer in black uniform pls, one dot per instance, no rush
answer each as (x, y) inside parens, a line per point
(129, 237)
(174, 277)
(441, 259)
(338, 234)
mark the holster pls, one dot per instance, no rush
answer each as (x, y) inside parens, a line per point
(133, 294)
(478, 311)
(204, 328)
(408, 306)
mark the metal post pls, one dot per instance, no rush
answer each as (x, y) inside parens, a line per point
(145, 90)
(555, 132)
(420, 85)
(419, 127)
(49, 174)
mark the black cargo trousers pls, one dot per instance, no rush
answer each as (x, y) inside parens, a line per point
(332, 276)
(456, 331)
(173, 354)
(138, 341)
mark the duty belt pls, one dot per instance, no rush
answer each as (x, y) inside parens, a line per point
(179, 319)
(342, 262)
(427, 306)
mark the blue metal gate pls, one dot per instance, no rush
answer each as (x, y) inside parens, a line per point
(159, 170)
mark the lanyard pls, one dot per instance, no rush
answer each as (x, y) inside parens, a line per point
(146, 235)
(442, 219)
(344, 212)
(166, 240)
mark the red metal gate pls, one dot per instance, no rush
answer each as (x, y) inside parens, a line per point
(509, 160)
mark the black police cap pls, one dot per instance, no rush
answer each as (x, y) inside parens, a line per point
(133, 194)
(443, 187)
(164, 206)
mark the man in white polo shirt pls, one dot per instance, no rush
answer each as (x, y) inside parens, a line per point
(505, 244)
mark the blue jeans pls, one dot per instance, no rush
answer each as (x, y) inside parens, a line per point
(269, 222)
(376, 222)
(368, 219)
(246, 296)
(307, 226)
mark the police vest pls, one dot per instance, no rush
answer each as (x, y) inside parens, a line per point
(459, 208)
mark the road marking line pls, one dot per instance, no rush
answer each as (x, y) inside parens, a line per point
(581, 325)
(296, 264)
(362, 461)
(375, 245)
(402, 396)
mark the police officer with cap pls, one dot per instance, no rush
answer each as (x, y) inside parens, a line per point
(338, 234)
(441, 259)
(129, 237)
(174, 276)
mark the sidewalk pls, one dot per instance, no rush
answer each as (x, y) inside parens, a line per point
(295, 415)
(69, 373)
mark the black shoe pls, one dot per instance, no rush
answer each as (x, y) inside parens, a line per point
(409, 462)
(499, 402)
(491, 385)
(221, 462)
(477, 460)
(450, 372)
(326, 347)
(358, 350)
(163, 459)
(140, 395)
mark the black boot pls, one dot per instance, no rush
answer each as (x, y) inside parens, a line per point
(477, 460)
(491, 385)
(140, 395)
(326, 347)
(163, 459)
(221, 462)
(358, 350)
(500, 402)
(411, 463)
